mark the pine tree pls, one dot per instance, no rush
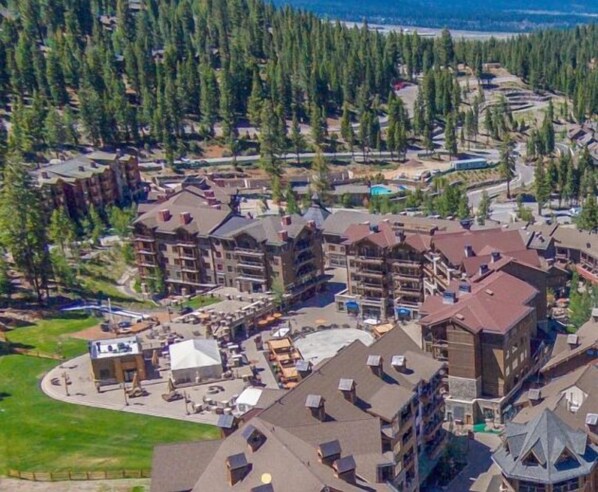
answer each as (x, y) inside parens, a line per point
(61, 229)
(483, 212)
(319, 177)
(507, 165)
(292, 205)
(542, 186)
(450, 142)
(22, 227)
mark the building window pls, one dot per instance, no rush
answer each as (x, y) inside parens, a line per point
(230, 269)
(531, 487)
(218, 254)
(566, 486)
(385, 473)
(332, 247)
(228, 256)
(219, 267)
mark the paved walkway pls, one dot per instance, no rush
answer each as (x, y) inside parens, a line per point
(478, 461)
(75, 486)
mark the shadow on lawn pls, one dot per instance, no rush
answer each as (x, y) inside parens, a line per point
(4, 395)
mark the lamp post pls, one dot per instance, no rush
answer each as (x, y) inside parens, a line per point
(124, 387)
(65, 377)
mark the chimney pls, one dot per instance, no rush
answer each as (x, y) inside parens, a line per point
(344, 468)
(237, 467)
(329, 452)
(468, 251)
(484, 269)
(572, 340)
(227, 425)
(286, 220)
(347, 388)
(399, 362)
(465, 287)
(449, 297)
(495, 256)
(315, 404)
(534, 395)
(253, 437)
(164, 215)
(45, 175)
(592, 420)
(94, 164)
(283, 235)
(81, 168)
(376, 364)
(311, 224)
(185, 218)
(303, 368)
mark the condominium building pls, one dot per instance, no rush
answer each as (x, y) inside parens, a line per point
(384, 270)
(195, 246)
(99, 179)
(485, 331)
(365, 419)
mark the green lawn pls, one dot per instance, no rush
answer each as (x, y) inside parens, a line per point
(201, 301)
(41, 434)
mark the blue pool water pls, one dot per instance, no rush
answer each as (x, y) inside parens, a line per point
(377, 190)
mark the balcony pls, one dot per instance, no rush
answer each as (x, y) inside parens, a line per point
(303, 246)
(369, 259)
(370, 273)
(406, 263)
(240, 252)
(145, 239)
(250, 276)
(251, 265)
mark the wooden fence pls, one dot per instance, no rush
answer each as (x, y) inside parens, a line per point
(35, 353)
(78, 475)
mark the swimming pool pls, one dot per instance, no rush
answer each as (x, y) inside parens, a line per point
(377, 190)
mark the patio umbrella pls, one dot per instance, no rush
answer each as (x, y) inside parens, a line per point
(277, 315)
(321, 321)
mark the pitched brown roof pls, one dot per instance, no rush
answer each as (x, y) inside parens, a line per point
(495, 304)
(452, 245)
(527, 257)
(384, 395)
(587, 337)
(382, 234)
(204, 219)
(177, 467)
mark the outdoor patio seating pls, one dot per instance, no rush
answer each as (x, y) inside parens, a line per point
(172, 396)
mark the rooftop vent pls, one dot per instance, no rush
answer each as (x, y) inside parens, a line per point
(489, 292)
(592, 419)
(495, 256)
(484, 269)
(572, 340)
(227, 424)
(81, 168)
(374, 228)
(315, 404)
(399, 362)
(534, 395)
(347, 388)
(329, 452)
(266, 487)
(185, 218)
(303, 367)
(237, 467)
(468, 251)
(344, 468)
(465, 287)
(459, 316)
(253, 437)
(164, 215)
(449, 297)
(375, 363)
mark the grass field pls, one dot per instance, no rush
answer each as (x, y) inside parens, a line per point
(41, 434)
(201, 301)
